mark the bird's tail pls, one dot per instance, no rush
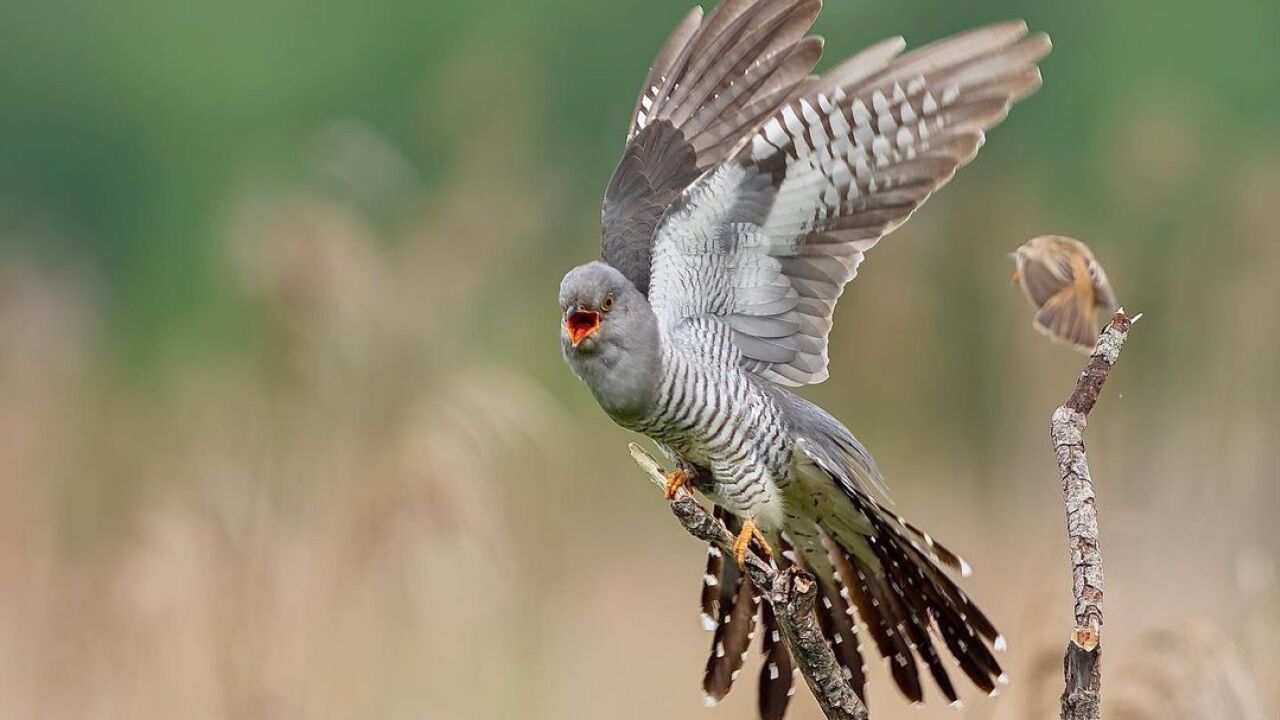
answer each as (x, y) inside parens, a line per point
(895, 584)
(1071, 316)
(890, 585)
(729, 609)
(893, 574)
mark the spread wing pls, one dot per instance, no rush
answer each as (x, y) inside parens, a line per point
(712, 83)
(768, 239)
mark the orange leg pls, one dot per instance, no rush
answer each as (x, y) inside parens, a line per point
(676, 479)
(743, 542)
(1017, 277)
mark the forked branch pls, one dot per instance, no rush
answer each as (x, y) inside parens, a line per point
(791, 593)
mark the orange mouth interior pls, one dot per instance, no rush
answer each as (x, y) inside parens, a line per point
(580, 324)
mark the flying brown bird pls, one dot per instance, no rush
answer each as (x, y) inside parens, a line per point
(1066, 285)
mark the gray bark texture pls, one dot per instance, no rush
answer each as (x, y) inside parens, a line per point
(791, 593)
(1082, 664)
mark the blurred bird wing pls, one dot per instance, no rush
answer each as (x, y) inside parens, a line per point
(1102, 292)
(768, 239)
(713, 82)
(1042, 276)
(1070, 317)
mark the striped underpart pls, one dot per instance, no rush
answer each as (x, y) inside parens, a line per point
(711, 412)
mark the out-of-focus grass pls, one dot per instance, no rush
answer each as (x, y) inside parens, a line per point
(369, 488)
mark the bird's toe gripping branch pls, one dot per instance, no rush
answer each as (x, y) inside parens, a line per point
(742, 543)
(676, 479)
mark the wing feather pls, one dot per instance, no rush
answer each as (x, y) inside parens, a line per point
(714, 80)
(768, 239)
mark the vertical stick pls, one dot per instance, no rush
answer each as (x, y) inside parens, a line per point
(1082, 664)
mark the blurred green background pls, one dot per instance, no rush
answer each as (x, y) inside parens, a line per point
(284, 430)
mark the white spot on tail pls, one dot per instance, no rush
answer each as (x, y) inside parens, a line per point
(775, 134)
(1000, 644)
(709, 623)
(810, 115)
(861, 116)
(773, 671)
(708, 701)
(879, 102)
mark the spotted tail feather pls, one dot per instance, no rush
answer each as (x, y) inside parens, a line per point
(711, 588)
(838, 625)
(912, 607)
(936, 551)
(737, 607)
(871, 597)
(777, 674)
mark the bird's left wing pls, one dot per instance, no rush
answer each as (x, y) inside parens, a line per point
(714, 81)
(768, 239)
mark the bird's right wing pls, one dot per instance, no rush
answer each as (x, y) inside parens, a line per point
(713, 82)
(768, 239)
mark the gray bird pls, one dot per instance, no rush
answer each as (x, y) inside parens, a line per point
(744, 201)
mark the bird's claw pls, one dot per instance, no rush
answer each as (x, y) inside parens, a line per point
(742, 543)
(676, 479)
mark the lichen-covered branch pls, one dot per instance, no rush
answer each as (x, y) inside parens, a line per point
(791, 593)
(1082, 665)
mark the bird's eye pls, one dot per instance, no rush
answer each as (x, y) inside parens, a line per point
(607, 305)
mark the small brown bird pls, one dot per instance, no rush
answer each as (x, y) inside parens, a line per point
(1067, 286)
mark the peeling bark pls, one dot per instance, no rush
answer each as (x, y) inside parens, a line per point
(1082, 664)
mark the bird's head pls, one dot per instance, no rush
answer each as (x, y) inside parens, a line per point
(610, 338)
(600, 308)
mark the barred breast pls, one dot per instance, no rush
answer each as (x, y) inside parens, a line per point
(713, 413)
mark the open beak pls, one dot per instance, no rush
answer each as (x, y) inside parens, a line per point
(581, 324)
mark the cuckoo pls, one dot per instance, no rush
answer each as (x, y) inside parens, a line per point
(748, 192)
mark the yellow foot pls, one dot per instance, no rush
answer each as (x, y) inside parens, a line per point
(677, 479)
(743, 542)
(1017, 277)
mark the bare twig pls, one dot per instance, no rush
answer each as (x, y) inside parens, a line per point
(791, 593)
(1082, 664)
